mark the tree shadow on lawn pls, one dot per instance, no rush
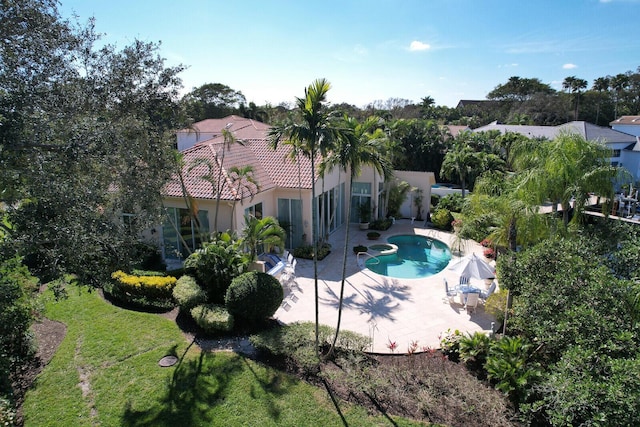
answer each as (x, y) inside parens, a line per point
(199, 384)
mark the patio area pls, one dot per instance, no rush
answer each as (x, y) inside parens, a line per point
(386, 309)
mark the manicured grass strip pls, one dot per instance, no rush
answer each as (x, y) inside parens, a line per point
(116, 352)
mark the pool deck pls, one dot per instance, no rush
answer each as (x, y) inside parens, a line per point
(383, 308)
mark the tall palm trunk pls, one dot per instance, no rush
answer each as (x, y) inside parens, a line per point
(314, 225)
(344, 268)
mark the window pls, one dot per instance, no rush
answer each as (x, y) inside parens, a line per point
(182, 234)
(290, 218)
(361, 195)
(255, 210)
(616, 153)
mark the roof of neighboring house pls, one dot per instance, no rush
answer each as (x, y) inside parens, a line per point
(271, 168)
(589, 131)
(454, 130)
(626, 120)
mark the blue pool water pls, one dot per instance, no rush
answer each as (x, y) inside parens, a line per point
(417, 257)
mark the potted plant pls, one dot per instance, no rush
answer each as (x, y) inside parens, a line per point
(373, 235)
(365, 215)
(359, 248)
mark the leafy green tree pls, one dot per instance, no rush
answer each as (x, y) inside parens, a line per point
(359, 149)
(213, 101)
(316, 132)
(86, 135)
(519, 89)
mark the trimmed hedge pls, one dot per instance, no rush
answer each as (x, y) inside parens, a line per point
(188, 293)
(442, 218)
(212, 318)
(153, 287)
(254, 296)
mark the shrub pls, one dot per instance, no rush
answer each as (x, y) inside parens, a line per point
(435, 200)
(495, 305)
(359, 248)
(442, 219)
(212, 318)
(148, 257)
(296, 343)
(17, 307)
(254, 296)
(453, 202)
(152, 287)
(306, 251)
(215, 265)
(7, 413)
(380, 224)
(373, 235)
(450, 344)
(188, 293)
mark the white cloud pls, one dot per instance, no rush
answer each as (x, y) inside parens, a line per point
(418, 45)
(569, 66)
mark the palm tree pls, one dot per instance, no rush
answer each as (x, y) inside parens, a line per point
(575, 86)
(461, 160)
(261, 232)
(601, 85)
(315, 132)
(245, 181)
(361, 147)
(228, 141)
(568, 168)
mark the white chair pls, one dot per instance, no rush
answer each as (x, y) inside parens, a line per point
(492, 289)
(464, 280)
(451, 293)
(472, 301)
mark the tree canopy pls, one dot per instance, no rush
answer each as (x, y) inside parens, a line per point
(86, 135)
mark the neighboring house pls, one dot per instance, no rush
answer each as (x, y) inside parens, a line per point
(625, 147)
(627, 124)
(284, 187)
(454, 130)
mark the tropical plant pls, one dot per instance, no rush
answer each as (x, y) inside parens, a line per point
(243, 179)
(228, 140)
(398, 192)
(315, 133)
(566, 171)
(216, 264)
(261, 233)
(461, 161)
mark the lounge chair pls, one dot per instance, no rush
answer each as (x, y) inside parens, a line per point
(464, 280)
(472, 301)
(451, 293)
(492, 289)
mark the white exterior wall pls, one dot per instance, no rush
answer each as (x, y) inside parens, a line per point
(629, 129)
(421, 180)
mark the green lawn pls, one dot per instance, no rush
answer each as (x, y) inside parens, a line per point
(114, 353)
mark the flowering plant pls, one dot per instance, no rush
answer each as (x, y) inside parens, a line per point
(489, 253)
(486, 243)
(456, 223)
(392, 345)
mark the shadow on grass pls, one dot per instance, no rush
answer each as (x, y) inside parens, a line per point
(199, 384)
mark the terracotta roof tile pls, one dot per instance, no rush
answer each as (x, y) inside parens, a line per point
(272, 168)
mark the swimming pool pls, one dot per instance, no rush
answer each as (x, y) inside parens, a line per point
(416, 257)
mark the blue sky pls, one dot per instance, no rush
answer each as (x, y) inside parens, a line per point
(376, 49)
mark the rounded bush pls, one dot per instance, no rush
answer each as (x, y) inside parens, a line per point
(212, 317)
(188, 293)
(254, 296)
(442, 218)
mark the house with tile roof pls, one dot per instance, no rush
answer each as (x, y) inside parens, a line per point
(625, 147)
(283, 187)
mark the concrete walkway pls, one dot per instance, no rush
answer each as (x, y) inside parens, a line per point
(383, 308)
